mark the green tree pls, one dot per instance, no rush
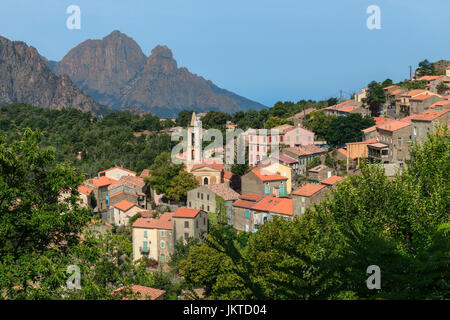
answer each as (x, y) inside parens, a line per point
(375, 98)
(184, 118)
(180, 185)
(162, 173)
(425, 68)
(273, 122)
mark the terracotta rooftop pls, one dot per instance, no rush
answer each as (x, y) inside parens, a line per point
(428, 115)
(145, 292)
(421, 97)
(85, 190)
(393, 125)
(100, 181)
(396, 92)
(145, 173)
(276, 205)
(244, 203)
(124, 205)
(342, 151)
(413, 93)
(251, 196)
(120, 192)
(217, 166)
(227, 174)
(370, 129)
(265, 175)
(429, 78)
(164, 221)
(186, 213)
(440, 104)
(331, 180)
(224, 191)
(308, 189)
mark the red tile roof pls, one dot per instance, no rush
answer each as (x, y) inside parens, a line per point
(117, 167)
(227, 174)
(308, 189)
(342, 151)
(217, 166)
(428, 115)
(393, 125)
(305, 150)
(276, 205)
(421, 97)
(120, 192)
(145, 173)
(264, 175)
(429, 78)
(186, 213)
(251, 196)
(100, 181)
(164, 221)
(243, 203)
(396, 92)
(440, 104)
(124, 205)
(414, 93)
(145, 292)
(85, 190)
(332, 180)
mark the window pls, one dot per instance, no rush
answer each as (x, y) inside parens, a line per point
(145, 245)
(198, 195)
(208, 208)
(162, 233)
(247, 214)
(303, 210)
(162, 244)
(303, 199)
(186, 236)
(190, 204)
(203, 207)
(267, 189)
(399, 141)
(163, 258)
(186, 224)
(207, 197)
(205, 181)
(202, 193)
(246, 227)
(145, 234)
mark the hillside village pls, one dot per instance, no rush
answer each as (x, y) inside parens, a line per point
(303, 173)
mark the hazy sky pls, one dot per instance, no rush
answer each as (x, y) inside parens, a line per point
(265, 50)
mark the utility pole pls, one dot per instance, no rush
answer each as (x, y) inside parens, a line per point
(340, 96)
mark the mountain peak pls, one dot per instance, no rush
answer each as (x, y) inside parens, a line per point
(162, 51)
(116, 34)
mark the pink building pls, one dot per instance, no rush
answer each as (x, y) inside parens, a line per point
(298, 136)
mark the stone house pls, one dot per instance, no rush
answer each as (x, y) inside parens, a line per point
(251, 211)
(304, 155)
(217, 198)
(306, 196)
(99, 186)
(123, 211)
(426, 122)
(189, 223)
(279, 169)
(392, 146)
(264, 182)
(319, 173)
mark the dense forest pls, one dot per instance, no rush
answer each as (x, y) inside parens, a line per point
(103, 142)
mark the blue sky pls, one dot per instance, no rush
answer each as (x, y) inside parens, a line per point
(265, 50)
